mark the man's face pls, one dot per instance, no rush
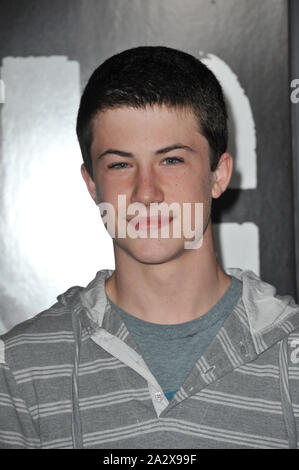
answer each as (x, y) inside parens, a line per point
(150, 155)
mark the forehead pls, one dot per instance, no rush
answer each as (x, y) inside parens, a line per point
(150, 124)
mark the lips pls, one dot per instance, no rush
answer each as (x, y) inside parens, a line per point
(155, 222)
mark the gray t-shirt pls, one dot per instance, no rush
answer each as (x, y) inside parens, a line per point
(171, 351)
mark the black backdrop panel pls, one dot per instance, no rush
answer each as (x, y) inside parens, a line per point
(250, 36)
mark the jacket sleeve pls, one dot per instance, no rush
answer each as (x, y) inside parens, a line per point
(17, 428)
(294, 378)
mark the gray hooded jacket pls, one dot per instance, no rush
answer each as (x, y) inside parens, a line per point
(73, 377)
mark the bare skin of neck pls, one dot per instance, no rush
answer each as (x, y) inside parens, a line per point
(177, 291)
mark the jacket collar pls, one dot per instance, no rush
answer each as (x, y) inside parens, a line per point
(269, 316)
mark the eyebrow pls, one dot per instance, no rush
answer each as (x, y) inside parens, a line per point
(164, 150)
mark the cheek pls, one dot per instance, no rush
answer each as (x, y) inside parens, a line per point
(110, 193)
(105, 190)
(194, 188)
(110, 183)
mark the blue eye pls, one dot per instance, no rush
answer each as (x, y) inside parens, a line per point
(173, 160)
(118, 165)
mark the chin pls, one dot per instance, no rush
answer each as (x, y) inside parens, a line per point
(153, 251)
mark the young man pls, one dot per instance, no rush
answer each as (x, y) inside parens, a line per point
(169, 350)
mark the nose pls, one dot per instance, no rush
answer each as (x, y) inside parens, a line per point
(147, 188)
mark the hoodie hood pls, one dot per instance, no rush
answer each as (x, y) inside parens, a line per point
(265, 309)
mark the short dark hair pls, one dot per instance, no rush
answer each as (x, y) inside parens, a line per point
(155, 75)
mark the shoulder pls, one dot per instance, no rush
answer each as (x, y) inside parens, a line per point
(31, 339)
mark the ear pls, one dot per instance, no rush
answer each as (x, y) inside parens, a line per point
(222, 175)
(89, 183)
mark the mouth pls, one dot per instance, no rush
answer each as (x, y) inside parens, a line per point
(154, 223)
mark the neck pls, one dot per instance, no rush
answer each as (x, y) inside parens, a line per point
(173, 292)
